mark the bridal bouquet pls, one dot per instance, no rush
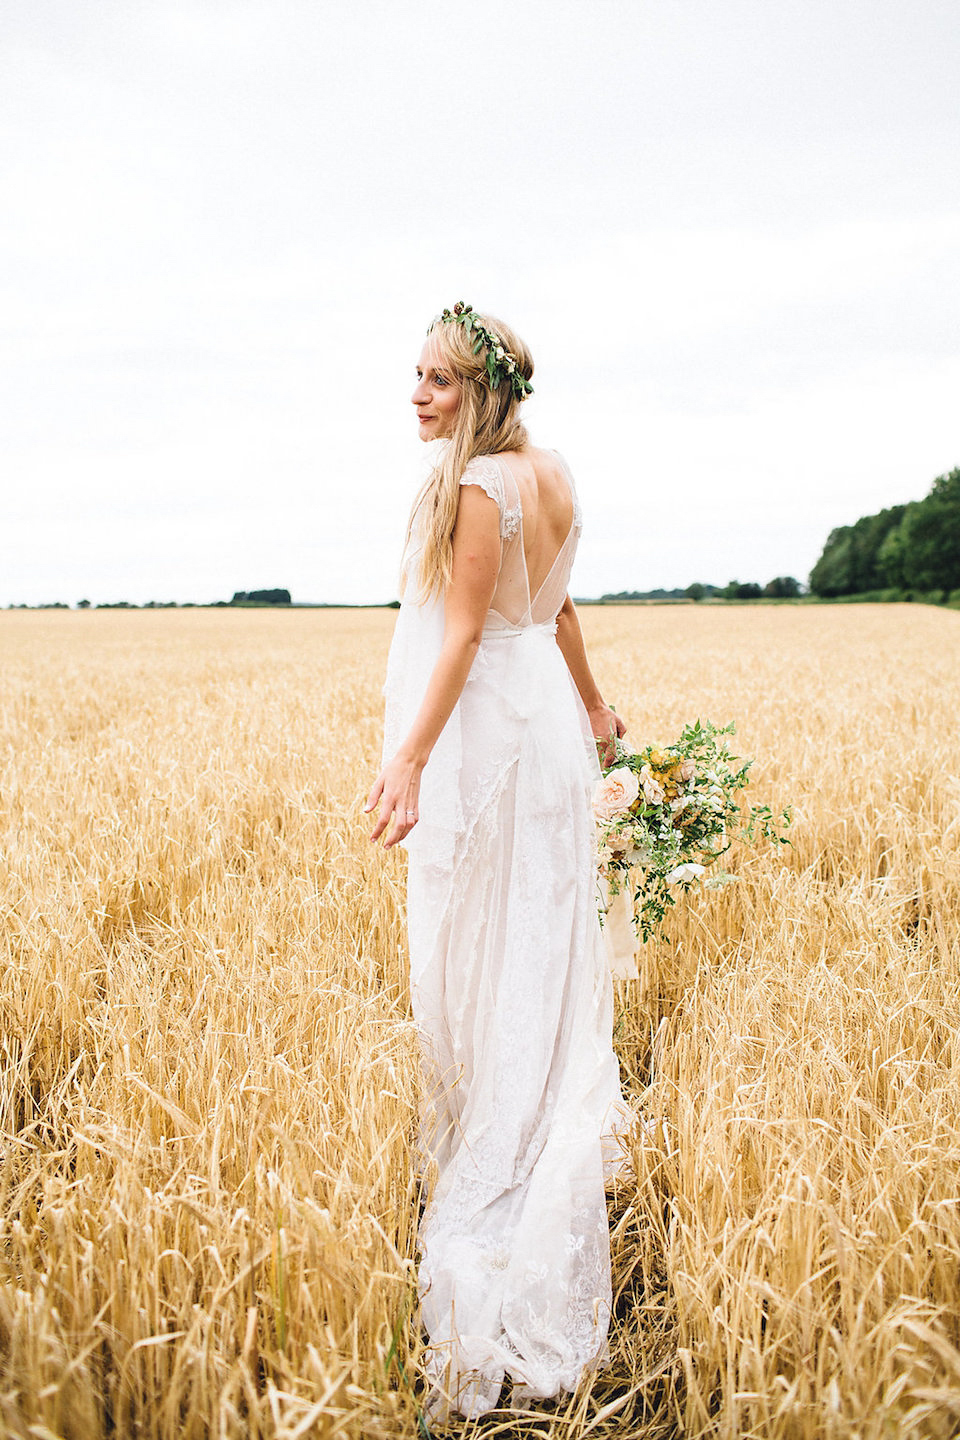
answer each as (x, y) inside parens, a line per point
(667, 813)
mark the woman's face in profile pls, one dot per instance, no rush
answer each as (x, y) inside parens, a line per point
(437, 396)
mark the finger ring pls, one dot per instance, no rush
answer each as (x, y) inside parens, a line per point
(412, 813)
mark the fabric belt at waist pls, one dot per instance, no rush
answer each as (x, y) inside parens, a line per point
(503, 632)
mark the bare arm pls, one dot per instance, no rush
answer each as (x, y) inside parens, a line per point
(476, 560)
(603, 721)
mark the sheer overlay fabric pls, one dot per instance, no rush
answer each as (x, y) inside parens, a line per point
(511, 992)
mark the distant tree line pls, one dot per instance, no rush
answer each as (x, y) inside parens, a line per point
(240, 597)
(783, 587)
(905, 551)
(621, 595)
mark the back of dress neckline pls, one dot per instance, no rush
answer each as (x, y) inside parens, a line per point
(533, 596)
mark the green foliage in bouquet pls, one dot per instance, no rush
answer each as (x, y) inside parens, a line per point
(667, 813)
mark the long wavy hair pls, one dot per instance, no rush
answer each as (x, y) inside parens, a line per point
(486, 422)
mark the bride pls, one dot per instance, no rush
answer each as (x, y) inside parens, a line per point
(492, 721)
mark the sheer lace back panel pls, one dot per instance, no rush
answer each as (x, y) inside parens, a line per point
(513, 606)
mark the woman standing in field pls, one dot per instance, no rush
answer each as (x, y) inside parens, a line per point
(490, 760)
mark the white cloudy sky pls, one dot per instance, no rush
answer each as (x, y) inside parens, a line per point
(729, 230)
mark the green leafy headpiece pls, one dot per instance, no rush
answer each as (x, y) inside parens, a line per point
(499, 363)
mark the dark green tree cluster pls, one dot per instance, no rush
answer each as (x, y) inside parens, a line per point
(782, 587)
(907, 549)
(261, 597)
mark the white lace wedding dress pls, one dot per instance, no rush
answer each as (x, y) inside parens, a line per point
(511, 993)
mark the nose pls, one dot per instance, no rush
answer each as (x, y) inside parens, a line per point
(421, 394)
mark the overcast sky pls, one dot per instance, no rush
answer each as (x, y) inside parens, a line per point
(728, 229)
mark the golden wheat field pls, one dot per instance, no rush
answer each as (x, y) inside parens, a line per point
(209, 1088)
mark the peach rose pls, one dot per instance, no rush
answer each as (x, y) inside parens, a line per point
(687, 770)
(615, 793)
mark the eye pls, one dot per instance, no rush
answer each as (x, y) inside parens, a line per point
(441, 380)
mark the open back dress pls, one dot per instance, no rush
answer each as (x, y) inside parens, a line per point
(511, 990)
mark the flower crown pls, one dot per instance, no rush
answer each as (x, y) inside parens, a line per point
(500, 364)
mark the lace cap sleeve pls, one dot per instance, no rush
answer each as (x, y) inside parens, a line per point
(485, 472)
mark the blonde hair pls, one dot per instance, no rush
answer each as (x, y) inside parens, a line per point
(486, 422)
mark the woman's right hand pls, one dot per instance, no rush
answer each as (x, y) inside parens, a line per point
(607, 727)
(397, 788)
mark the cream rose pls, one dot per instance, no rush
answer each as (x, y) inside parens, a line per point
(615, 793)
(652, 789)
(684, 874)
